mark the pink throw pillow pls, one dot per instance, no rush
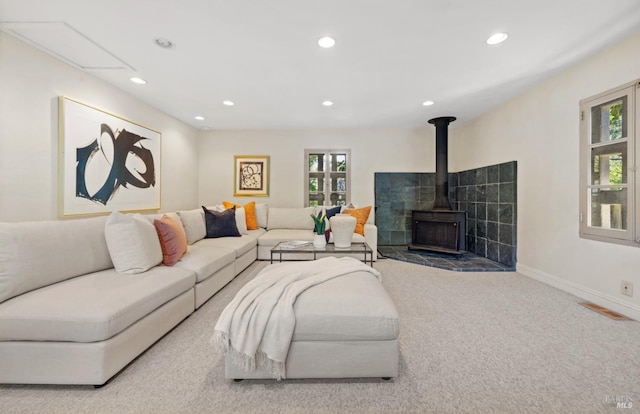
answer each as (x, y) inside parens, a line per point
(173, 239)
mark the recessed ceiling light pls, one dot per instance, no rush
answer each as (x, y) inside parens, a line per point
(164, 43)
(497, 38)
(327, 103)
(199, 118)
(427, 103)
(206, 128)
(137, 80)
(228, 103)
(326, 42)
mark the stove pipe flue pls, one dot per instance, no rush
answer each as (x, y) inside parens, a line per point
(442, 170)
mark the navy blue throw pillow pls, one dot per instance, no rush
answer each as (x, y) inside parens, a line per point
(333, 211)
(221, 223)
(330, 212)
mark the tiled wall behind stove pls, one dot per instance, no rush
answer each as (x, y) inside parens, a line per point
(487, 194)
(396, 194)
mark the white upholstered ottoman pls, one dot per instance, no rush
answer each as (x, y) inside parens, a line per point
(346, 327)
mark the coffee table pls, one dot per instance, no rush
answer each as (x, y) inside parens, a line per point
(307, 251)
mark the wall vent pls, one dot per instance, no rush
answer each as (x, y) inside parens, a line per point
(604, 311)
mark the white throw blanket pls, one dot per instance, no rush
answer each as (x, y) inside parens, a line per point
(256, 327)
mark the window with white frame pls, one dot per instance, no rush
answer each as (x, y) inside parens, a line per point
(609, 150)
(327, 177)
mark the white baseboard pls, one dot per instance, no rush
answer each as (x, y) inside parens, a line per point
(599, 298)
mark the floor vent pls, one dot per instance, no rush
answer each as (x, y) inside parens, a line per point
(604, 311)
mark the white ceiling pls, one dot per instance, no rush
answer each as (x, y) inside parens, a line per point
(390, 55)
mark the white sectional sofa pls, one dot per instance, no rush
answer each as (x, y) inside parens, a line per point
(68, 317)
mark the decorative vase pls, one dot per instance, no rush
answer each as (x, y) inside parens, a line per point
(342, 227)
(319, 242)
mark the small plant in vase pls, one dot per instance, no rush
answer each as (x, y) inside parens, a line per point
(320, 225)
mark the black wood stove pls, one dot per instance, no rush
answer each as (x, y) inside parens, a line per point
(441, 229)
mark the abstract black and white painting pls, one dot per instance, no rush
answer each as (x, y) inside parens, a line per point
(106, 162)
(251, 176)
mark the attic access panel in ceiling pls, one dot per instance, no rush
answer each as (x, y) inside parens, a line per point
(64, 42)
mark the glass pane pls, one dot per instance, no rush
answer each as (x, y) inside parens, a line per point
(609, 208)
(313, 185)
(609, 121)
(338, 199)
(316, 162)
(609, 164)
(316, 199)
(316, 183)
(339, 162)
(339, 184)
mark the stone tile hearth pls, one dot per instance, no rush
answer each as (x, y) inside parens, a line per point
(467, 262)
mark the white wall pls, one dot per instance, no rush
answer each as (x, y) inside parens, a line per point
(372, 150)
(540, 130)
(30, 82)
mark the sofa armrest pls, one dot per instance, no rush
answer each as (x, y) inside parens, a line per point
(371, 237)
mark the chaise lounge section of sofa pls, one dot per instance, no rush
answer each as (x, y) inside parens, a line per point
(67, 317)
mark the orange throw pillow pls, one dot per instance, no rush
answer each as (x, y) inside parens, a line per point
(250, 213)
(361, 215)
(173, 239)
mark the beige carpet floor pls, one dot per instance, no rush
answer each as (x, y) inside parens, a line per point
(470, 343)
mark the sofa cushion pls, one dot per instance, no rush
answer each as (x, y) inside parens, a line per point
(290, 218)
(262, 210)
(273, 237)
(355, 238)
(240, 245)
(355, 307)
(221, 223)
(205, 259)
(36, 254)
(193, 223)
(133, 243)
(157, 216)
(90, 308)
(173, 239)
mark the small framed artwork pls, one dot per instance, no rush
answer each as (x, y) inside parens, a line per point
(106, 163)
(251, 176)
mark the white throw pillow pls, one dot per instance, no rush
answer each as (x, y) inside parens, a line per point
(261, 214)
(241, 220)
(193, 223)
(290, 218)
(133, 243)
